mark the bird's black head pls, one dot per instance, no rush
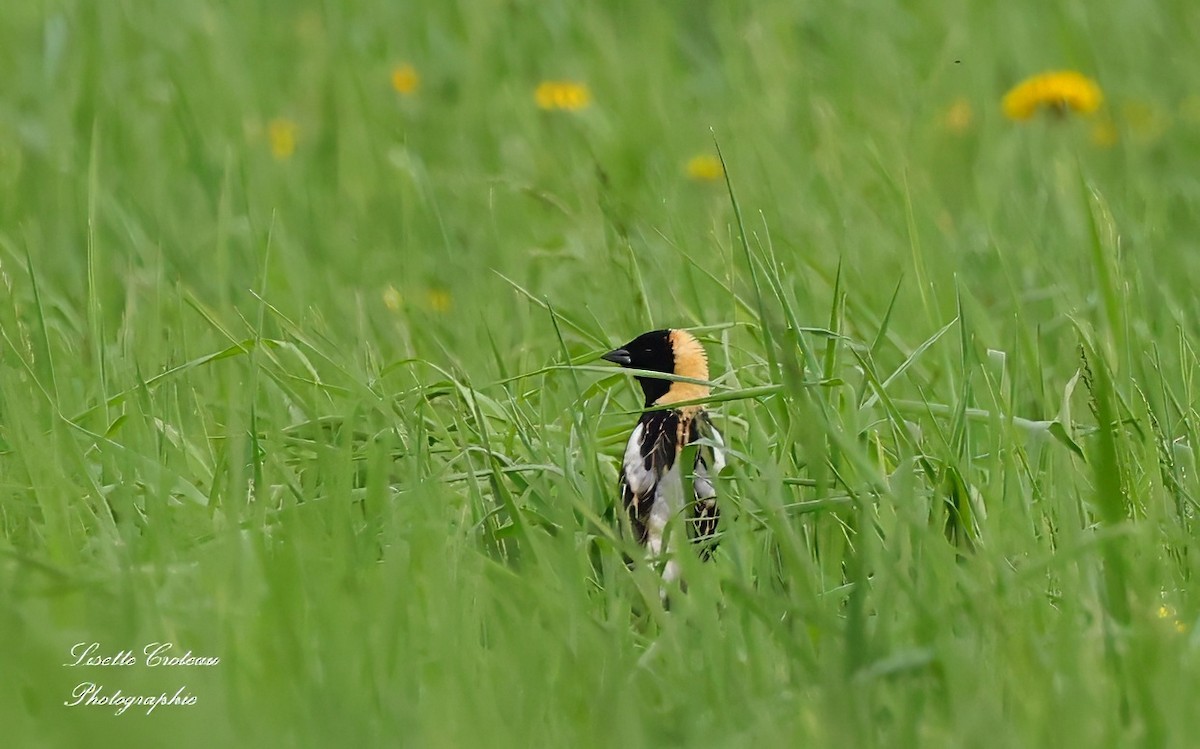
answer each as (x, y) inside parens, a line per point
(653, 351)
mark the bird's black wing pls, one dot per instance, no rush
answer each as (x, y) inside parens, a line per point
(650, 454)
(710, 459)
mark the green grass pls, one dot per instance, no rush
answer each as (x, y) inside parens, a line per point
(335, 418)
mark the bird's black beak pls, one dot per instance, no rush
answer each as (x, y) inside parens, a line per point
(618, 356)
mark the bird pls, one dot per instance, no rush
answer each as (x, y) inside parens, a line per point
(651, 484)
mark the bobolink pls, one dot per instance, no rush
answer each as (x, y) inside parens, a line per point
(651, 483)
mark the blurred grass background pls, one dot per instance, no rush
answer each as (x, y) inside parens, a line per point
(283, 373)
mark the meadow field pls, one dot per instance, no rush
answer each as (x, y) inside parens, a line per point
(301, 313)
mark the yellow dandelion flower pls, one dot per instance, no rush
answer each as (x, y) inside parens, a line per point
(392, 299)
(405, 79)
(1058, 91)
(281, 135)
(704, 168)
(959, 116)
(568, 96)
(439, 300)
(544, 95)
